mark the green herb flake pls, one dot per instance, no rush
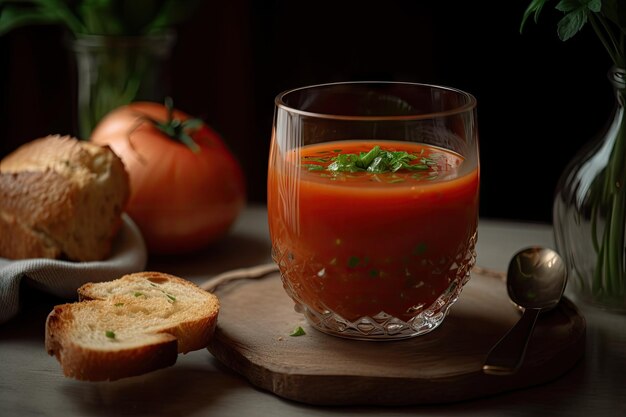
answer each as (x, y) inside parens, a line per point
(138, 294)
(374, 273)
(110, 334)
(313, 167)
(298, 331)
(353, 261)
(118, 304)
(420, 249)
(316, 159)
(171, 297)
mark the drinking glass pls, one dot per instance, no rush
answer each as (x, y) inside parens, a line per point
(373, 204)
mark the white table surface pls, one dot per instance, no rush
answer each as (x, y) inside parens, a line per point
(32, 384)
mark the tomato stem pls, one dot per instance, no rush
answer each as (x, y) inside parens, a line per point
(178, 129)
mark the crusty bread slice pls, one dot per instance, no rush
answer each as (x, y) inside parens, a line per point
(132, 325)
(61, 198)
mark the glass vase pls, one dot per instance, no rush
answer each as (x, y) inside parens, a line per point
(115, 70)
(589, 212)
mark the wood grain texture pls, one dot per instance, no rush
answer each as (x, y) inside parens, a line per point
(443, 366)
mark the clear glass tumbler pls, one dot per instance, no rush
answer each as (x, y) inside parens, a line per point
(373, 204)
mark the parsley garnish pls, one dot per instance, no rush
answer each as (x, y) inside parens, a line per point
(379, 161)
(110, 334)
(298, 331)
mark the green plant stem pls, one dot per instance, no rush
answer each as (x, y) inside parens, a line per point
(603, 31)
(610, 270)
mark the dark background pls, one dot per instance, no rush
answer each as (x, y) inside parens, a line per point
(539, 99)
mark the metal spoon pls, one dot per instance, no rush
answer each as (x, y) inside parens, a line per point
(536, 279)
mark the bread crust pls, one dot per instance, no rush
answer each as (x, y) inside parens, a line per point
(35, 207)
(156, 338)
(60, 197)
(103, 365)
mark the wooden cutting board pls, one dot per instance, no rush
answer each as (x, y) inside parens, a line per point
(445, 365)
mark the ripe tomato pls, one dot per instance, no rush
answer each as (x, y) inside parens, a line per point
(183, 196)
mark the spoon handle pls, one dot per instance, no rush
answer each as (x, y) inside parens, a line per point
(506, 357)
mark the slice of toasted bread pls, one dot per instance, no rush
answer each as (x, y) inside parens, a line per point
(130, 326)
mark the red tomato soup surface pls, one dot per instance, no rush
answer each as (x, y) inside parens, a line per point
(360, 243)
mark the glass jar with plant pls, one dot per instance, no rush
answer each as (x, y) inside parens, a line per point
(589, 212)
(121, 46)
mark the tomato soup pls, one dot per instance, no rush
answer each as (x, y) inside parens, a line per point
(358, 241)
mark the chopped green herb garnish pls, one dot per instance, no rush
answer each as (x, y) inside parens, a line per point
(353, 261)
(419, 249)
(138, 294)
(316, 159)
(313, 167)
(298, 331)
(110, 334)
(379, 161)
(171, 297)
(118, 304)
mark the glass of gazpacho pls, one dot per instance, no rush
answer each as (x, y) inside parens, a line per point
(373, 204)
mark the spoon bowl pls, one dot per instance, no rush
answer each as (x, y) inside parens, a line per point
(536, 279)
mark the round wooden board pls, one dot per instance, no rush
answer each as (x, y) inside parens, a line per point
(445, 365)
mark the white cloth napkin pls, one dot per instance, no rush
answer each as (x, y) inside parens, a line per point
(62, 278)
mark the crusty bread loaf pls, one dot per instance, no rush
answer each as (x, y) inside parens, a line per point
(130, 326)
(61, 198)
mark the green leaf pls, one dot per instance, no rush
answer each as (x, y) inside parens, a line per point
(14, 17)
(535, 8)
(571, 23)
(99, 17)
(173, 12)
(366, 158)
(569, 5)
(594, 5)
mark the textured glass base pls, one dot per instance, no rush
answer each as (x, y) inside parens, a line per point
(383, 326)
(379, 327)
